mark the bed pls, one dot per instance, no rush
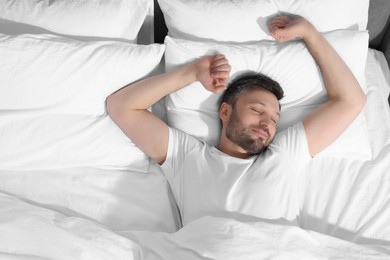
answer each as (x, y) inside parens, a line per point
(73, 186)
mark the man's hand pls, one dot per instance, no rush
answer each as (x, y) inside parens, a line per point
(284, 28)
(213, 72)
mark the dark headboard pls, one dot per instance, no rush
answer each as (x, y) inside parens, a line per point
(378, 26)
(160, 29)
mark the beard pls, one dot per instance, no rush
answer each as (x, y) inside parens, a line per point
(240, 135)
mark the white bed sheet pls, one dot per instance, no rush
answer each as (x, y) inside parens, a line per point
(88, 213)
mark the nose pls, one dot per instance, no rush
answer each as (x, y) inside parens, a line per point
(266, 121)
(264, 126)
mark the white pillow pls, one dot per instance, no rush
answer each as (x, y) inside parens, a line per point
(47, 74)
(64, 141)
(52, 101)
(194, 110)
(246, 20)
(109, 19)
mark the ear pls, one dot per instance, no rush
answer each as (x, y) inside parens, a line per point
(224, 112)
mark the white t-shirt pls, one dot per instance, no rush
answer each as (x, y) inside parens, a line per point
(207, 182)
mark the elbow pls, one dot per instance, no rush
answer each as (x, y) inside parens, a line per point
(353, 103)
(357, 104)
(109, 104)
(112, 106)
(361, 102)
(356, 99)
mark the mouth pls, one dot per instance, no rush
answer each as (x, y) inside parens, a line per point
(261, 133)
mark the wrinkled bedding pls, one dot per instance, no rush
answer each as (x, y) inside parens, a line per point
(91, 213)
(27, 230)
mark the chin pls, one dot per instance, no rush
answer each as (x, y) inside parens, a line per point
(259, 148)
(255, 149)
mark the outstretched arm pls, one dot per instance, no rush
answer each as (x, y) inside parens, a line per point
(128, 106)
(346, 98)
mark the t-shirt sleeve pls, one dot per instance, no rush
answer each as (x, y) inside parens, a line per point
(179, 145)
(293, 141)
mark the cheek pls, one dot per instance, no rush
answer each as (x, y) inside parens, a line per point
(249, 118)
(237, 116)
(272, 131)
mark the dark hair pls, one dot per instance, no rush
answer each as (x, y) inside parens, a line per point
(248, 82)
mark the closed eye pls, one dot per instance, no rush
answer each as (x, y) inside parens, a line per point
(256, 110)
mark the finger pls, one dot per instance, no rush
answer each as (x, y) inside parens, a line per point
(218, 61)
(218, 86)
(281, 19)
(274, 33)
(218, 57)
(280, 34)
(274, 28)
(279, 23)
(220, 74)
(222, 81)
(220, 89)
(280, 37)
(223, 67)
(284, 18)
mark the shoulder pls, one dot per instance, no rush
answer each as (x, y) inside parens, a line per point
(182, 148)
(181, 138)
(181, 144)
(293, 135)
(292, 142)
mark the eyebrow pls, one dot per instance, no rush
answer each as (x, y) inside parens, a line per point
(263, 104)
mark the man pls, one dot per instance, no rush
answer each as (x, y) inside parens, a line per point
(240, 179)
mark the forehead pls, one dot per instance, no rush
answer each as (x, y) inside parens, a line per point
(259, 96)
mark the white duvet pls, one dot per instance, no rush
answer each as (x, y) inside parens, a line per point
(30, 232)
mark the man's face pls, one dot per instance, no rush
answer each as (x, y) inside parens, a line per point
(252, 123)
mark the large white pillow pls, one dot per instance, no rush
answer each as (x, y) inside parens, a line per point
(108, 19)
(52, 101)
(245, 20)
(48, 74)
(65, 141)
(194, 110)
